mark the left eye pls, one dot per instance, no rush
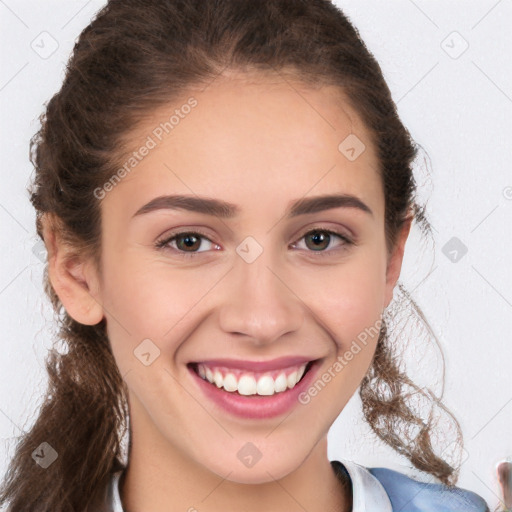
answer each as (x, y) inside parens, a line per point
(323, 237)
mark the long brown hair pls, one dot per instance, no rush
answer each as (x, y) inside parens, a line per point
(138, 55)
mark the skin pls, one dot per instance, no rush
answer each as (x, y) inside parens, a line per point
(259, 144)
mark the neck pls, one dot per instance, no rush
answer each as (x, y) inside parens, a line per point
(160, 477)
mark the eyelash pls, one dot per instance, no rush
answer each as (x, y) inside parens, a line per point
(163, 243)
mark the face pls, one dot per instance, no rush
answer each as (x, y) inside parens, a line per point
(257, 294)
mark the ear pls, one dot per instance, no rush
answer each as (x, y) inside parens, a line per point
(73, 278)
(394, 265)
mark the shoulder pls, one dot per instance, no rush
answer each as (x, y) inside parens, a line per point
(409, 495)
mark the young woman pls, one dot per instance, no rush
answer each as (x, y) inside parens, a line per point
(225, 191)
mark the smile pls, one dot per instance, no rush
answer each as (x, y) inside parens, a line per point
(254, 389)
(243, 382)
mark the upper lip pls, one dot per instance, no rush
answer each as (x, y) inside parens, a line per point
(273, 364)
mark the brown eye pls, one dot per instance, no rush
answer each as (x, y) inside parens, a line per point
(184, 243)
(319, 240)
(188, 241)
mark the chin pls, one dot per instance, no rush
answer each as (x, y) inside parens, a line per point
(261, 472)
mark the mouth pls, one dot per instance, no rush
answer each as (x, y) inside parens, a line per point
(252, 389)
(245, 382)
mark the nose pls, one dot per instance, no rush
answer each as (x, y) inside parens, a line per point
(259, 302)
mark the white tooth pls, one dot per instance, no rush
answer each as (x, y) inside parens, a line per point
(292, 379)
(230, 383)
(281, 383)
(301, 371)
(217, 377)
(265, 385)
(247, 385)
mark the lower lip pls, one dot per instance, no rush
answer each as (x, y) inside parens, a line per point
(256, 406)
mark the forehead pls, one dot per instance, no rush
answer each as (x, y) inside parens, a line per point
(254, 137)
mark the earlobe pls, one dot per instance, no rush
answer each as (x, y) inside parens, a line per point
(395, 261)
(73, 278)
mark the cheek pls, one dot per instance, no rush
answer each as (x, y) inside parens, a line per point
(347, 298)
(152, 301)
(347, 302)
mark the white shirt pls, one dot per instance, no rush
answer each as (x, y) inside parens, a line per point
(368, 493)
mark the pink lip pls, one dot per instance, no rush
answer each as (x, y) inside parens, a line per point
(255, 406)
(258, 366)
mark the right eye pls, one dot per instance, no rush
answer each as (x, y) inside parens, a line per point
(183, 240)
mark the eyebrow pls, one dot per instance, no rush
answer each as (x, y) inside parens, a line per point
(225, 210)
